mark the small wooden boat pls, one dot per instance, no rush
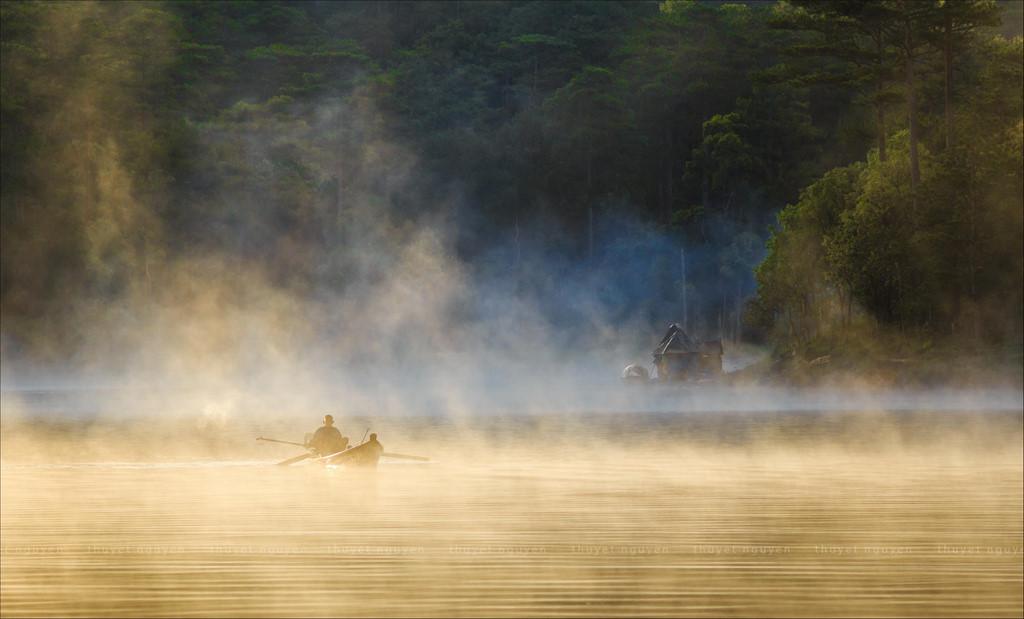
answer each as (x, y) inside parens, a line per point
(365, 455)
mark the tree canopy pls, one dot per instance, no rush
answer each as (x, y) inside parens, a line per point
(816, 163)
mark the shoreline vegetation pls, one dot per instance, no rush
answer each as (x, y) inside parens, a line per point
(215, 187)
(916, 364)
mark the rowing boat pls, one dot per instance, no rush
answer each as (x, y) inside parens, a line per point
(365, 455)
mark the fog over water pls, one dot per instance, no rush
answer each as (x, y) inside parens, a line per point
(684, 514)
(551, 490)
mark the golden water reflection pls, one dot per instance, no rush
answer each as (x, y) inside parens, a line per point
(671, 532)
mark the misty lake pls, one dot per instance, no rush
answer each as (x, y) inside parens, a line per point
(683, 309)
(664, 522)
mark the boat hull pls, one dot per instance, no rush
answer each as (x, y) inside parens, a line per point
(366, 455)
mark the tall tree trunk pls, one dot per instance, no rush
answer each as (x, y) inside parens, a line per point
(590, 233)
(705, 192)
(682, 269)
(536, 69)
(661, 195)
(705, 182)
(947, 57)
(668, 178)
(332, 231)
(879, 105)
(739, 312)
(519, 251)
(915, 168)
(721, 310)
(880, 122)
(590, 205)
(339, 203)
(972, 258)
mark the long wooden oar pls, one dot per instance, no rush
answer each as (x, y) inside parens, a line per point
(389, 454)
(294, 460)
(274, 440)
(289, 460)
(386, 454)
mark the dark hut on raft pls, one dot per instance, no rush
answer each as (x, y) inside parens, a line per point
(680, 357)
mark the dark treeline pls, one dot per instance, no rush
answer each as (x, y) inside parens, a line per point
(605, 148)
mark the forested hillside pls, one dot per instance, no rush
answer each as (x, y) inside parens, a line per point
(780, 172)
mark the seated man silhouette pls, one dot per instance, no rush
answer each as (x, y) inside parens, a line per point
(328, 439)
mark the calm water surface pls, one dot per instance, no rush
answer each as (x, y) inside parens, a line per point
(671, 531)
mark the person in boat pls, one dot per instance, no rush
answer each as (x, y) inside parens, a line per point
(363, 455)
(328, 439)
(374, 447)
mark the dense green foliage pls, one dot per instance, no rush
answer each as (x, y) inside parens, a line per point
(564, 147)
(923, 237)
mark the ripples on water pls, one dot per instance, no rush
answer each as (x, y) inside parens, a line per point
(668, 530)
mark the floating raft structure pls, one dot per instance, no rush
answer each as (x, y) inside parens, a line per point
(679, 357)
